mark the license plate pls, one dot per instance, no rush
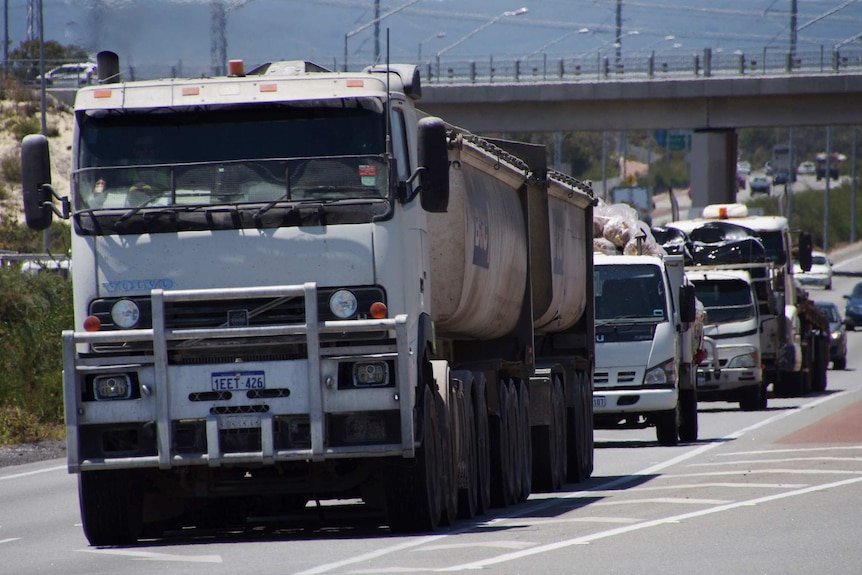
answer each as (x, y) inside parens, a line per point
(599, 401)
(245, 421)
(238, 380)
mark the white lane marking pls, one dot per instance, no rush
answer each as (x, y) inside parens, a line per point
(553, 501)
(492, 544)
(10, 540)
(794, 450)
(683, 500)
(640, 526)
(150, 556)
(676, 487)
(765, 471)
(381, 552)
(590, 519)
(29, 473)
(769, 461)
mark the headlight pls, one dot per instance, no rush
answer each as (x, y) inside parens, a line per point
(343, 304)
(107, 387)
(835, 334)
(664, 373)
(746, 360)
(371, 374)
(125, 314)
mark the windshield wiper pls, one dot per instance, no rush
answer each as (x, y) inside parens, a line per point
(141, 206)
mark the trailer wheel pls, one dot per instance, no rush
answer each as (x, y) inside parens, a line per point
(414, 503)
(667, 426)
(111, 510)
(468, 492)
(501, 456)
(448, 473)
(548, 447)
(513, 437)
(579, 439)
(483, 447)
(525, 440)
(752, 397)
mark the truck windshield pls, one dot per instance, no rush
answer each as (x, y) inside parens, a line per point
(630, 292)
(725, 301)
(325, 152)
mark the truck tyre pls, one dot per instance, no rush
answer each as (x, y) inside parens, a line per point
(688, 415)
(526, 442)
(579, 441)
(483, 447)
(413, 499)
(667, 426)
(468, 490)
(840, 362)
(501, 465)
(549, 448)
(111, 510)
(516, 452)
(750, 398)
(448, 473)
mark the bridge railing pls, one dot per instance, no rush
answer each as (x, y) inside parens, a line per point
(604, 66)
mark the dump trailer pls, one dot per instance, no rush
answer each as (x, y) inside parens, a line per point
(291, 285)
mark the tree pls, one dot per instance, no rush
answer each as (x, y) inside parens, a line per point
(25, 58)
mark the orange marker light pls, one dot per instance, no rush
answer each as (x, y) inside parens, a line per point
(355, 83)
(378, 310)
(92, 323)
(722, 213)
(191, 91)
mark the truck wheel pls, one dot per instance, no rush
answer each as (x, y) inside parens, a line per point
(688, 415)
(448, 474)
(501, 464)
(483, 448)
(790, 384)
(840, 362)
(667, 426)
(526, 442)
(413, 499)
(750, 399)
(468, 490)
(579, 441)
(549, 449)
(111, 510)
(516, 451)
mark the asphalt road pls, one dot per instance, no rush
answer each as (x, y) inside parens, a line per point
(773, 491)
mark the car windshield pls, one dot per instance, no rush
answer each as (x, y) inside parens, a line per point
(818, 260)
(831, 312)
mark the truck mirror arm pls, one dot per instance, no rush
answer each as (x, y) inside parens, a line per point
(64, 203)
(404, 194)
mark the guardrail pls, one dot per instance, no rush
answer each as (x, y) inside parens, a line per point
(603, 66)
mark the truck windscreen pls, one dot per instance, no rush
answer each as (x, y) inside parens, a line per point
(725, 301)
(629, 292)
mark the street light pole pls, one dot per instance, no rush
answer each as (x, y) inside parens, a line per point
(468, 35)
(428, 39)
(555, 42)
(374, 22)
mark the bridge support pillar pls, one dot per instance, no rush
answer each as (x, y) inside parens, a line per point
(713, 168)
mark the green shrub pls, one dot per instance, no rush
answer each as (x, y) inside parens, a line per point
(10, 167)
(20, 126)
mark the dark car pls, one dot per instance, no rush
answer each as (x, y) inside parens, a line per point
(781, 176)
(837, 334)
(853, 309)
(759, 184)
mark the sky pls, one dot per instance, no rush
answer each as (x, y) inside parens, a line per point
(158, 35)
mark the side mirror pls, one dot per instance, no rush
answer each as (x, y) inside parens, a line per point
(687, 305)
(36, 179)
(433, 152)
(805, 248)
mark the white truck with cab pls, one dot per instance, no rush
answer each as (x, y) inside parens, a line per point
(304, 288)
(647, 338)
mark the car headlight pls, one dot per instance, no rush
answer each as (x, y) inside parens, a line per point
(343, 304)
(125, 313)
(744, 361)
(835, 334)
(664, 373)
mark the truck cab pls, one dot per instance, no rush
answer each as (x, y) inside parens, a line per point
(732, 370)
(644, 354)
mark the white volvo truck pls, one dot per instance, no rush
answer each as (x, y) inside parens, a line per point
(305, 289)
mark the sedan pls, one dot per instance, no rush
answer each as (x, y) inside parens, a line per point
(806, 169)
(70, 75)
(820, 273)
(853, 309)
(837, 334)
(743, 168)
(760, 184)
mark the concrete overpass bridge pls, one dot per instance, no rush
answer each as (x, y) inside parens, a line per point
(713, 107)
